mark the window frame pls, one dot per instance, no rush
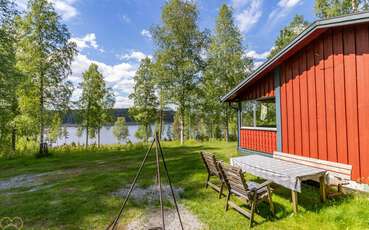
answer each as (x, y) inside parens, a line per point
(254, 127)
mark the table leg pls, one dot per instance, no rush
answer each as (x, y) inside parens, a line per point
(323, 192)
(294, 201)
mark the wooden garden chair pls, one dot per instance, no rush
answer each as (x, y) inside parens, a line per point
(211, 165)
(252, 192)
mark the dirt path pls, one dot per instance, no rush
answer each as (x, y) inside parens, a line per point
(151, 217)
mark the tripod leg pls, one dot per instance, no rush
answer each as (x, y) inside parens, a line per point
(159, 180)
(113, 225)
(170, 185)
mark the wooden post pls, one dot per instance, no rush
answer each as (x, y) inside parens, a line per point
(323, 193)
(294, 201)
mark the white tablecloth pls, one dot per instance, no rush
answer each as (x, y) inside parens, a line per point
(287, 174)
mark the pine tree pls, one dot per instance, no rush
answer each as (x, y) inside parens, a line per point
(226, 67)
(287, 34)
(144, 99)
(120, 129)
(44, 57)
(95, 103)
(179, 47)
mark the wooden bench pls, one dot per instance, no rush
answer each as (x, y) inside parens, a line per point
(338, 174)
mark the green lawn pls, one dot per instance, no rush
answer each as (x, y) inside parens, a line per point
(81, 198)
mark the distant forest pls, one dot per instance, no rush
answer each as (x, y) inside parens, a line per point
(71, 117)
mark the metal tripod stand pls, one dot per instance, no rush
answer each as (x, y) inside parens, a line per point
(159, 156)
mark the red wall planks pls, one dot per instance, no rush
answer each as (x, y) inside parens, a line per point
(261, 88)
(330, 99)
(339, 87)
(297, 107)
(258, 140)
(320, 96)
(324, 106)
(313, 127)
(290, 112)
(362, 63)
(284, 110)
(304, 109)
(351, 100)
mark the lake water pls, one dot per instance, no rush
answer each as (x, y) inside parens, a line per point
(106, 135)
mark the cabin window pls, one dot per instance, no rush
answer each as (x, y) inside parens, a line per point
(259, 113)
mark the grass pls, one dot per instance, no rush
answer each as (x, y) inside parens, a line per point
(81, 198)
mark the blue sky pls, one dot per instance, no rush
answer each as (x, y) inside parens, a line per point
(115, 33)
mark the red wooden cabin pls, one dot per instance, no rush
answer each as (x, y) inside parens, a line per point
(311, 98)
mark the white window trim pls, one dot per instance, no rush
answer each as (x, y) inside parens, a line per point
(259, 128)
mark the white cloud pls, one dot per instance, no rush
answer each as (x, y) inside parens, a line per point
(88, 41)
(119, 77)
(146, 34)
(133, 55)
(125, 19)
(255, 55)
(288, 3)
(65, 8)
(236, 4)
(248, 13)
(123, 102)
(284, 7)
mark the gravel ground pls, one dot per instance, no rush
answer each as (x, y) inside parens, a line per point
(152, 218)
(150, 194)
(35, 181)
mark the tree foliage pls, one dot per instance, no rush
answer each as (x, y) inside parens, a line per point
(143, 133)
(180, 44)
(145, 102)
(333, 8)
(120, 129)
(9, 76)
(95, 103)
(55, 130)
(44, 57)
(287, 34)
(226, 67)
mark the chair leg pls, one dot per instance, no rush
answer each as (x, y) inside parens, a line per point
(221, 190)
(271, 205)
(253, 206)
(227, 200)
(207, 181)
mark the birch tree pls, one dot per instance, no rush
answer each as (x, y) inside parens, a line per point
(44, 56)
(179, 47)
(333, 8)
(95, 103)
(145, 102)
(120, 129)
(227, 66)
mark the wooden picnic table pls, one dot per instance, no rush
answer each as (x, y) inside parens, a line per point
(284, 173)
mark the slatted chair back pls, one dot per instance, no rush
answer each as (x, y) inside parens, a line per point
(210, 163)
(234, 179)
